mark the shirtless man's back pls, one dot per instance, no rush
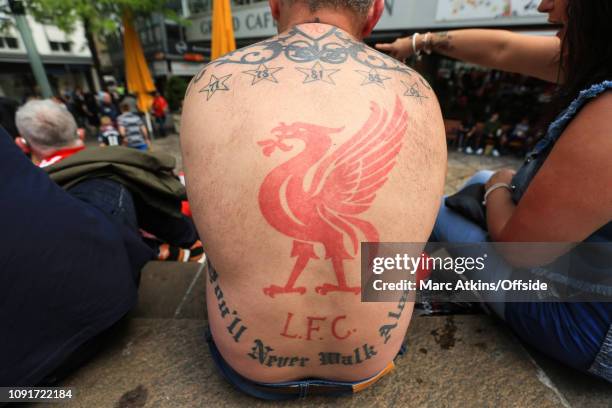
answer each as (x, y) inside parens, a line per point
(297, 149)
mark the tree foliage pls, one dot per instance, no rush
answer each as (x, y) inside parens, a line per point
(175, 92)
(102, 16)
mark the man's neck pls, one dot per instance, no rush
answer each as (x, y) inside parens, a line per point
(345, 21)
(41, 154)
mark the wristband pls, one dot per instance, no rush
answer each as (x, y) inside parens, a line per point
(494, 187)
(414, 47)
(427, 44)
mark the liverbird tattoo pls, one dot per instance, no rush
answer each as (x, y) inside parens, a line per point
(317, 195)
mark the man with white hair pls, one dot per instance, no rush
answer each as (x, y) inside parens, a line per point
(297, 149)
(49, 130)
(71, 262)
(70, 270)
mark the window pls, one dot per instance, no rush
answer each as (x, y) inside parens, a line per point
(245, 2)
(9, 42)
(57, 46)
(199, 6)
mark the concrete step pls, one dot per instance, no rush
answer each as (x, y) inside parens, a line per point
(160, 359)
(467, 361)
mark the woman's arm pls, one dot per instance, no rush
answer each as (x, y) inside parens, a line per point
(567, 201)
(570, 197)
(536, 56)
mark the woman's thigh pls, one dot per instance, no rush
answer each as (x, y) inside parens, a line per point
(451, 227)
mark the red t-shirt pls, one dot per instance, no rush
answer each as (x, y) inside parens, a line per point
(159, 106)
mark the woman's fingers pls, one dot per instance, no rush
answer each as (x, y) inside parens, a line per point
(399, 49)
(384, 47)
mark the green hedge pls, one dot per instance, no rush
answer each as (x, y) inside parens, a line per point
(175, 92)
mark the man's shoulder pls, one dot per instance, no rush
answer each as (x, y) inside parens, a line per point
(357, 65)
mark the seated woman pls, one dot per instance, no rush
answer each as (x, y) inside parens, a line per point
(562, 193)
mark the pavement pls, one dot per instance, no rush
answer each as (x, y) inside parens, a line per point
(159, 357)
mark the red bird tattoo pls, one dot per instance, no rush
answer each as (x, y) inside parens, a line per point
(316, 196)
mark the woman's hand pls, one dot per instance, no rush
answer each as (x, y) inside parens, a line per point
(400, 49)
(502, 176)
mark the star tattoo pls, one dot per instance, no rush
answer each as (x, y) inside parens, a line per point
(318, 73)
(414, 91)
(263, 73)
(215, 84)
(373, 77)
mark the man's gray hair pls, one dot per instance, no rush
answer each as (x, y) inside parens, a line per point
(360, 7)
(46, 124)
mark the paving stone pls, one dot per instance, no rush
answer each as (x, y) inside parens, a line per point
(462, 361)
(578, 389)
(164, 290)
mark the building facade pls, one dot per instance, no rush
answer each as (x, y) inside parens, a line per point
(253, 21)
(66, 58)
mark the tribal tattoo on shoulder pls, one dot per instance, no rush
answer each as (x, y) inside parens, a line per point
(319, 58)
(301, 48)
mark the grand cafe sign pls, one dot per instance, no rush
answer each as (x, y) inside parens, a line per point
(256, 21)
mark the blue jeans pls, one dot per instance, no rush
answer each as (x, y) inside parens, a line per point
(453, 227)
(577, 334)
(143, 147)
(116, 202)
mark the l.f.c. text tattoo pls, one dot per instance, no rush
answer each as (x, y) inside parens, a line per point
(343, 183)
(336, 326)
(236, 328)
(263, 355)
(385, 330)
(358, 356)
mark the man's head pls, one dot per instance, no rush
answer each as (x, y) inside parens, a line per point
(358, 17)
(106, 98)
(105, 121)
(125, 107)
(47, 127)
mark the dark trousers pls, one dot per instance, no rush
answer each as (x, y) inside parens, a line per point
(161, 125)
(114, 200)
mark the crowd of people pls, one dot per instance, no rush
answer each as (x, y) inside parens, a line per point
(285, 192)
(498, 112)
(112, 116)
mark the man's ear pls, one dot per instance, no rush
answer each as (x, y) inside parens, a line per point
(23, 145)
(275, 9)
(373, 16)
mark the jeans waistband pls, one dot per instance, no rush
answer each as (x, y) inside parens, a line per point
(291, 389)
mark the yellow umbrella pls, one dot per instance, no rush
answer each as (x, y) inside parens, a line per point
(137, 73)
(223, 40)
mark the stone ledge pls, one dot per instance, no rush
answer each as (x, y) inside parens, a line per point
(451, 362)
